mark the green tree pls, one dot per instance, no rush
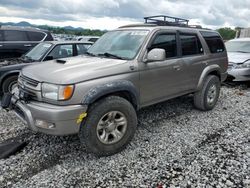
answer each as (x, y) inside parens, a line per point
(227, 33)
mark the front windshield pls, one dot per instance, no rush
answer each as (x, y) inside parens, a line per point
(38, 51)
(238, 46)
(123, 44)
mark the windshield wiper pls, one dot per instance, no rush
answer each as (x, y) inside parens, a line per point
(106, 54)
(90, 54)
(242, 51)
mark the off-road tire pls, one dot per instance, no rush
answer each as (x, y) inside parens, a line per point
(201, 97)
(8, 82)
(88, 135)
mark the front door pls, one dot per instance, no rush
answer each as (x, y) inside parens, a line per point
(161, 79)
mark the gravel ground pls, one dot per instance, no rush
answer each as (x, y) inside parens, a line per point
(175, 146)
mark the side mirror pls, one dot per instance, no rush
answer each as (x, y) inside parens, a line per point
(156, 54)
(49, 58)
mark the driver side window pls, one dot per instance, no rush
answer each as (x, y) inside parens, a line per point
(166, 41)
(61, 51)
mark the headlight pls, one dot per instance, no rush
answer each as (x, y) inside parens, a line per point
(57, 92)
(243, 65)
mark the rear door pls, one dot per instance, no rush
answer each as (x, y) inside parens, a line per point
(15, 44)
(193, 59)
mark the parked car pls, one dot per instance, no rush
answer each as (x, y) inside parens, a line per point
(97, 95)
(88, 38)
(9, 69)
(239, 59)
(16, 41)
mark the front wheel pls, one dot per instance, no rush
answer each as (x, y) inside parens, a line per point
(110, 125)
(9, 84)
(207, 97)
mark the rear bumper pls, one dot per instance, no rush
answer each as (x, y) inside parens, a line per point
(239, 74)
(62, 118)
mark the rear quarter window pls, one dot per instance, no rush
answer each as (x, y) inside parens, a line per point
(35, 36)
(12, 35)
(214, 42)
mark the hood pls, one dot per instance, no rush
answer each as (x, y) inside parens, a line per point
(237, 57)
(76, 69)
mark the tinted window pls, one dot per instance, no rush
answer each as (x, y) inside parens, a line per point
(190, 44)
(1, 35)
(62, 51)
(35, 36)
(214, 41)
(166, 42)
(15, 35)
(82, 48)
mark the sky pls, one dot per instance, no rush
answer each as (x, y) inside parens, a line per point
(110, 14)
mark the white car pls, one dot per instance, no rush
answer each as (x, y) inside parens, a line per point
(239, 59)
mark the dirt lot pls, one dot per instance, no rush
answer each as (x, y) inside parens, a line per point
(175, 145)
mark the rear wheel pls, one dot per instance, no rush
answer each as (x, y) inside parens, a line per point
(110, 125)
(207, 97)
(9, 84)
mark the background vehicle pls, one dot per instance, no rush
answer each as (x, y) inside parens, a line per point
(9, 69)
(239, 59)
(16, 41)
(129, 68)
(88, 38)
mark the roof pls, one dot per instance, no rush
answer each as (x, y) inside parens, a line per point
(241, 39)
(151, 27)
(68, 42)
(4, 27)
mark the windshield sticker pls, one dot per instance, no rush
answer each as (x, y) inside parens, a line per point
(139, 33)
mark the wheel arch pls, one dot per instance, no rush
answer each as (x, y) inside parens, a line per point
(210, 70)
(8, 74)
(122, 88)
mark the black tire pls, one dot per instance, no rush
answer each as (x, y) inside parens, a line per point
(201, 99)
(8, 83)
(88, 132)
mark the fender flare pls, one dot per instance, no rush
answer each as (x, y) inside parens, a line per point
(109, 88)
(207, 71)
(6, 75)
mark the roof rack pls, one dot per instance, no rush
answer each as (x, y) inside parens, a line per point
(163, 20)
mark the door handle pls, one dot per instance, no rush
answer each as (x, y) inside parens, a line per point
(177, 67)
(27, 45)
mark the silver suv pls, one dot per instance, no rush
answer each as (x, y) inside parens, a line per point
(97, 95)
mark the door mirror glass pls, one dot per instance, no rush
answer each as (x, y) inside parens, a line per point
(156, 54)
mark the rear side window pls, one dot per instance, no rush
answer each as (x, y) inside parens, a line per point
(190, 44)
(12, 35)
(1, 35)
(214, 41)
(167, 42)
(35, 36)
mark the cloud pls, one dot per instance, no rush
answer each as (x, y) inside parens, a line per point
(212, 13)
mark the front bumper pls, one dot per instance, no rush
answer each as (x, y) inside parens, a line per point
(63, 118)
(238, 75)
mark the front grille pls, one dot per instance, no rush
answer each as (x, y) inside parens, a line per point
(28, 88)
(28, 81)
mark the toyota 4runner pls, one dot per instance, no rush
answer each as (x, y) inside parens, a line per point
(97, 95)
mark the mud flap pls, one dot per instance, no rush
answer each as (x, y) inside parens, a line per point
(10, 147)
(6, 100)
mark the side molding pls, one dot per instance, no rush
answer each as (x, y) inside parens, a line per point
(109, 88)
